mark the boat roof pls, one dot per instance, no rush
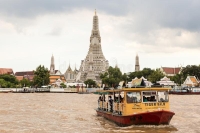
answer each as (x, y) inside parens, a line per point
(135, 89)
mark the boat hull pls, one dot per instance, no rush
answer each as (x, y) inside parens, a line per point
(147, 118)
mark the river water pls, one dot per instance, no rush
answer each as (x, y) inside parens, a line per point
(75, 113)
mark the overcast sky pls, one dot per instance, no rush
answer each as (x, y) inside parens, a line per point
(162, 33)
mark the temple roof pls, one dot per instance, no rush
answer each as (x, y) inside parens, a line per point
(171, 70)
(6, 71)
(24, 73)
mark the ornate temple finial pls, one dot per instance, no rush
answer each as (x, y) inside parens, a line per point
(95, 12)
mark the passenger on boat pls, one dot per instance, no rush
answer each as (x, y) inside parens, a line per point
(153, 99)
(111, 104)
(144, 99)
(121, 99)
(104, 98)
(162, 100)
(148, 99)
(115, 99)
(99, 101)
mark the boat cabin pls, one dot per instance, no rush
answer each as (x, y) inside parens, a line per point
(128, 101)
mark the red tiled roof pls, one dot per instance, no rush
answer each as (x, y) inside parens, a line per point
(171, 70)
(24, 73)
(19, 77)
(29, 77)
(6, 71)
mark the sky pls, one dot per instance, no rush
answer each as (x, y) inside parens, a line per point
(162, 33)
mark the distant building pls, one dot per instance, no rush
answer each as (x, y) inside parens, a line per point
(95, 63)
(166, 82)
(139, 82)
(6, 71)
(137, 65)
(56, 76)
(191, 81)
(70, 75)
(170, 71)
(29, 75)
(52, 66)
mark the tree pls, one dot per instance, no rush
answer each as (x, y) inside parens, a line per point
(8, 81)
(155, 76)
(3, 83)
(25, 82)
(178, 78)
(62, 85)
(90, 83)
(9, 78)
(112, 77)
(41, 76)
(191, 70)
(145, 73)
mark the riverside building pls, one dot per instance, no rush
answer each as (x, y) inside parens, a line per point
(55, 75)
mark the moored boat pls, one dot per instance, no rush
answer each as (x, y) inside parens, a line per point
(186, 91)
(5, 91)
(135, 106)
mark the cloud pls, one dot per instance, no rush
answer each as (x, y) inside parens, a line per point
(144, 15)
(153, 29)
(30, 8)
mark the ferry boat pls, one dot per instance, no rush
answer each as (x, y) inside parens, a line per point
(135, 106)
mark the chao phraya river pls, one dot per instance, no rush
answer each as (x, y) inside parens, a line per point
(74, 113)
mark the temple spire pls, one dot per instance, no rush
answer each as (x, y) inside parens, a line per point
(95, 28)
(52, 66)
(137, 65)
(95, 63)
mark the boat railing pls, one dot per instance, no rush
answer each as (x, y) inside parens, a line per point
(118, 108)
(101, 105)
(105, 106)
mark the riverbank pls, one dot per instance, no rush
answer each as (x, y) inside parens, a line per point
(48, 90)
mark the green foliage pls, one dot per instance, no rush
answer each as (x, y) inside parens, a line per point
(112, 77)
(25, 83)
(62, 85)
(90, 83)
(124, 77)
(8, 81)
(178, 78)
(3, 83)
(191, 70)
(156, 76)
(41, 76)
(146, 72)
(9, 78)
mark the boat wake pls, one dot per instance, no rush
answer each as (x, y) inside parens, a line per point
(149, 128)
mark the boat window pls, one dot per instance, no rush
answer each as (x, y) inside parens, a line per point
(149, 96)
(163, 96)
(133, 97)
